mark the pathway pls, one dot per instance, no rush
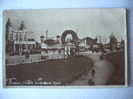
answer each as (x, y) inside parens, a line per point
(103, 71)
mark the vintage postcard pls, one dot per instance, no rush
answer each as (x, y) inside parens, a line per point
(65, 47)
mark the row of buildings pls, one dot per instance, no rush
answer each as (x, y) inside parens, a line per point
(18, 43)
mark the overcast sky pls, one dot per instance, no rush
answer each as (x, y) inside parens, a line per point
(85, 22)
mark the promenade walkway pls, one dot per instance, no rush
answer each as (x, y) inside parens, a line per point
(103, 71)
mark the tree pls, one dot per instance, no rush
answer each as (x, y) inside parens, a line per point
(113, 42)
(122, 44)
(8, 25)
(22, 26)
(8, 43)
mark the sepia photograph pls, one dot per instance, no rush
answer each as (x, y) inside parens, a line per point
(65, 47)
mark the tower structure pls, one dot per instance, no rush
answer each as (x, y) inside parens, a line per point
(42, 38)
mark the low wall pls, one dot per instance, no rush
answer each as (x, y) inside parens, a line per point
(13, 60)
